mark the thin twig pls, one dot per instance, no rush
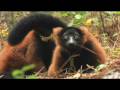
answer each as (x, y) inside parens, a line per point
(40, 71)
(89, 50)
(69, 59)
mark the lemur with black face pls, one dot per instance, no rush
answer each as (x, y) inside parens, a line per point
(25, 45)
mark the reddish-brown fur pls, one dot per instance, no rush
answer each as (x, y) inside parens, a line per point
(13, 57)
(57, 59)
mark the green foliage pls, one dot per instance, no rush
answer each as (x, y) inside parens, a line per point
(115, 12)
(100, 67)
(34, 76)
(20, 73)
(115, 53)
(75, 18)
(29, 67)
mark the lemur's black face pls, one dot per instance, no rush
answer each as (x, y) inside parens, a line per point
(72, 38)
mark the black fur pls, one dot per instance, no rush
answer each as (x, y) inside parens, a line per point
(41, 23)
(76, 35)
(85, 57)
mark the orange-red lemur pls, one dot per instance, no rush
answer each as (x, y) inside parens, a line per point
(26, 45)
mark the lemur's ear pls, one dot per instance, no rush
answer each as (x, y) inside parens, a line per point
(86, 34)
(57, 30)
(83, 29)
(57, 34)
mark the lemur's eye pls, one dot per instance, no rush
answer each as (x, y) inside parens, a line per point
(76, 36)
(66, 37)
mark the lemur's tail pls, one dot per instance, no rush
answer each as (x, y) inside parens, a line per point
(41, 23)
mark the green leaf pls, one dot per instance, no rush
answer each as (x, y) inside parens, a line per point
(18, 74)
(32, 77)
(101, 66)
(77, 16)
(117, 13)
(28, 67)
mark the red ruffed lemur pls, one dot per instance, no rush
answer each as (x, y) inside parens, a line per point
(26, 45)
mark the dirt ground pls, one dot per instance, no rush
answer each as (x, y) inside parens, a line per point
(111, 70)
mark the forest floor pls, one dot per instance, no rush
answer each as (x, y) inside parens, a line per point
(111, 70)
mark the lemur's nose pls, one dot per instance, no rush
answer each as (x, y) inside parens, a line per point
(71, 42)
